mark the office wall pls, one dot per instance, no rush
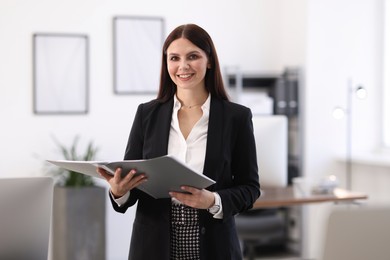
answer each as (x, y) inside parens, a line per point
(257, 35)
(343, 45)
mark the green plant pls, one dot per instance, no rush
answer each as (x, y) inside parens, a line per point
(69, 178)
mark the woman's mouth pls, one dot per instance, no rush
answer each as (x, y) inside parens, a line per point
(185, 76)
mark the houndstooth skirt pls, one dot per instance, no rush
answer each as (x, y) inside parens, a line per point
(184, 233)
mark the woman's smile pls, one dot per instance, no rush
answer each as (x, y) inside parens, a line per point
(185, 77)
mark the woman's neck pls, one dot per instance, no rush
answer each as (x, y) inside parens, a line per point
(189, 99)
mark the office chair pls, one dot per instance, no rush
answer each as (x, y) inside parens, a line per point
(261, 227)
(358, 234)
(25, 217)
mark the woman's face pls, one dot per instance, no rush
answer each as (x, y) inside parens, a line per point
(187, 64)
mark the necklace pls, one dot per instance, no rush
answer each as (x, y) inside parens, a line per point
(189, 107)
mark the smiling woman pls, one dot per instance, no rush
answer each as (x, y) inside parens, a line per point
(192, 120)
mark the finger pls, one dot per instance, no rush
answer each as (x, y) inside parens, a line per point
(190, 189)
(139, 178)
(139, 181)
(104, 174)
(129, 176)
(174, 195)
(132, 179)
(118, 175)
(182, 197)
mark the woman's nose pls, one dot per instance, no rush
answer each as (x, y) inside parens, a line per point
(184, 65)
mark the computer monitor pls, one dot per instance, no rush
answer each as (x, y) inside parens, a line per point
(271, 138)
(25, 217)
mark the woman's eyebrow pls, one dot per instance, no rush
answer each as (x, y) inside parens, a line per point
(189, 53)
(193, 52)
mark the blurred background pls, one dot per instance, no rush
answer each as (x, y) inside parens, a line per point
(334, 45)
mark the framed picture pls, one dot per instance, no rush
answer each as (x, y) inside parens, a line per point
(60, 71)
(137, 54)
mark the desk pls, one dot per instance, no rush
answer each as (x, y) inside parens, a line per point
(253, 229)
(284, 197)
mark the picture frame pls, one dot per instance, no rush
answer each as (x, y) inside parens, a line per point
(137, 46)
(60, 73)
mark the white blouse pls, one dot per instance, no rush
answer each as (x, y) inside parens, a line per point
(191, 151)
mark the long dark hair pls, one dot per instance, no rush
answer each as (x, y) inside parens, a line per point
(199, 37)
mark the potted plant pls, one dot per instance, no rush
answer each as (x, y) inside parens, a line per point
(78, 210)
(67, 178)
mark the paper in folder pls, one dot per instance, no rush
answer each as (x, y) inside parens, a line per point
(164, 173)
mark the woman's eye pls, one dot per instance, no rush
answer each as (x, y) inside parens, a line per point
(193, 57)
(174, 58)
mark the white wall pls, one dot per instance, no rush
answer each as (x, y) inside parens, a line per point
(254, 34)
(343, 43)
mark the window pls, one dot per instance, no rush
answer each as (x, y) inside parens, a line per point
(386, 79)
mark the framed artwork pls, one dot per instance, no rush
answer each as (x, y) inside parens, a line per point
(60, 72)
(137, 49)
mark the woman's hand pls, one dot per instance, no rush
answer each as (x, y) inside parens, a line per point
(195, 198)
(120, 186)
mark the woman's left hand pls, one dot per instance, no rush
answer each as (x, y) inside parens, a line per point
(195, 198)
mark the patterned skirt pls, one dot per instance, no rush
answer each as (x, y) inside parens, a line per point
(184, 233)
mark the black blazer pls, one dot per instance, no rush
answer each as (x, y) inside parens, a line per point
(230, 161)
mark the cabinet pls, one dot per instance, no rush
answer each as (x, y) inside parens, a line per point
(283, 91)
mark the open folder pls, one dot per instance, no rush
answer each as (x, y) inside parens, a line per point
(164, 173)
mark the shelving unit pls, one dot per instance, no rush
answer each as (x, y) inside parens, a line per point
(283, 90)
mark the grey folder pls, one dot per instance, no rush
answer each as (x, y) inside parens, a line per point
(164, 173)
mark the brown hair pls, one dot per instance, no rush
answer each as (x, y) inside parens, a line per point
(199, 37)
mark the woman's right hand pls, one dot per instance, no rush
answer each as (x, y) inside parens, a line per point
(121, 185)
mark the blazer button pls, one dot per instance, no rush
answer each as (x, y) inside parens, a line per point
(203, 230)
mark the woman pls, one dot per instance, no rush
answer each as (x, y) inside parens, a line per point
(192, 120)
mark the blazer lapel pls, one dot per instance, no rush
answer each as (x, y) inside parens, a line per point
(162, 127)
(214, 147)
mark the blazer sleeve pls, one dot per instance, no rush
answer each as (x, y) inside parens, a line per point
(245, 187)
